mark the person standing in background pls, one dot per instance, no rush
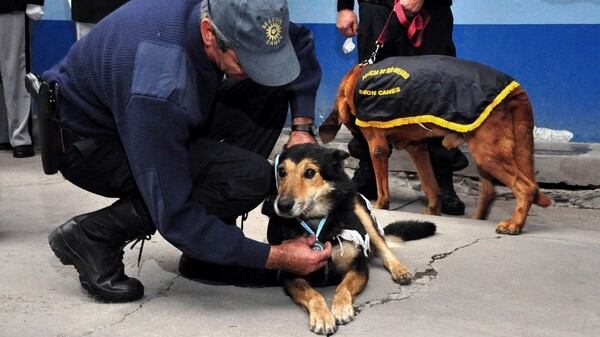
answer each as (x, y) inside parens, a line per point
(436, 39)
(13, 69)
(86, 13)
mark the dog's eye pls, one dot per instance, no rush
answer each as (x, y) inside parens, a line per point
(309, 173)
(281, 172)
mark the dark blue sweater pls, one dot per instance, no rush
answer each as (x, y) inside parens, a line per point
(142, 74)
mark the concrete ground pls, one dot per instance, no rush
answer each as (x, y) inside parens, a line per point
(470, 281)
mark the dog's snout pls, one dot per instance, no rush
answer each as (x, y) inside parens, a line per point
(285, 205)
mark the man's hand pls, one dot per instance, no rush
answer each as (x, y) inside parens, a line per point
(301, 137)
(296, 256)
(347, 22)
(411, 7)
(34, 12)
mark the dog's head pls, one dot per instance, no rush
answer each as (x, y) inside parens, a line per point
(343, 110)
(311, 181)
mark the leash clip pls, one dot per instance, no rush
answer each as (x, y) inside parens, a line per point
(373, 56)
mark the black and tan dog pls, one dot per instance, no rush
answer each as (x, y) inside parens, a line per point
(313, 186)
(404, 100)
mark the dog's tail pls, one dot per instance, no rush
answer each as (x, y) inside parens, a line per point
(523, 125)
(410, 229)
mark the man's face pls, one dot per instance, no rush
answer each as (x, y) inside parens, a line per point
(228, 63)
(224, 58)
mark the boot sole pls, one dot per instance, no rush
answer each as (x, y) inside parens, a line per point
(69, 257)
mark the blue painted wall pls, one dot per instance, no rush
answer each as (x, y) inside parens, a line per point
(552, 47)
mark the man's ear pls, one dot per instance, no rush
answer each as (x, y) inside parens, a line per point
(208, 36)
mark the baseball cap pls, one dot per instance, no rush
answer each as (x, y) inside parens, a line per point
(258, 32)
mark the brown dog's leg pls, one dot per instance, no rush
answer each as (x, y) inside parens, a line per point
(420, 158)
(505, 170)
(486, 194)
(400, 273)
(380, 152)
(321, 320)
(353, 284)
(492, 146)
(520, 107)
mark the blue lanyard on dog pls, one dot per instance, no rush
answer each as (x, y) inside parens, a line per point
(276, 175)
(317, 245)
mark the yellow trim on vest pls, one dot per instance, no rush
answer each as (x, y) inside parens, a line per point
(440, 121)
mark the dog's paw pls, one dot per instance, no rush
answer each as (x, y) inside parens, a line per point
(322, 322)
(382, 204)
(401, 274)
(507, 227)
(343, 313)
(431, 211)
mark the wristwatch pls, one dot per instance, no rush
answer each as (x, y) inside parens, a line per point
(310, 128)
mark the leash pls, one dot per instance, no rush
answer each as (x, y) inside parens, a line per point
(379, 42)
(414, 30)
(318, 245)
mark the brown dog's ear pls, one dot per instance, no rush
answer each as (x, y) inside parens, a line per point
(330, 126)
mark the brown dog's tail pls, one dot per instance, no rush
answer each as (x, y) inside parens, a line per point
(522, 112)
(410, 229)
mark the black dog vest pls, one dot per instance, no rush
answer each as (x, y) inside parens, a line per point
(452, 93)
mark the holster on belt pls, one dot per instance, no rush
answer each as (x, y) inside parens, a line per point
(49, 126)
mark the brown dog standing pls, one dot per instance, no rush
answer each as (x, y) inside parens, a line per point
(405, 100)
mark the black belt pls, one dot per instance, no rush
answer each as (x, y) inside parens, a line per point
(388, 3)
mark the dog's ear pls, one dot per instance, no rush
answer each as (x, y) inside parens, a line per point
(339, 155)
(330, 126)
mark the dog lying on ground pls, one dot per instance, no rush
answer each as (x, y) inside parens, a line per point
(405, 100)
(313, 186)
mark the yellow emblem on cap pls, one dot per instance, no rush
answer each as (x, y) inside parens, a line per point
(273, 31)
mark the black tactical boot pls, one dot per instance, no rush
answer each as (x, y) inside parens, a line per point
(94, 242)
(451, 203)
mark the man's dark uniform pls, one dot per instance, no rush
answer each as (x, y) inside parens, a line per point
(136, 108)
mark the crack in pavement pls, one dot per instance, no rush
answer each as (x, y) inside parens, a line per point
(162, 292)
(429, 274)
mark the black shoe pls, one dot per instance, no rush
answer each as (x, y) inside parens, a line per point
(23, 151)
(451, 204)
(100, 265)
(5, 146)
(215, 274)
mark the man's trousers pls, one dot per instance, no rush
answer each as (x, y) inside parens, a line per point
(12, 73)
